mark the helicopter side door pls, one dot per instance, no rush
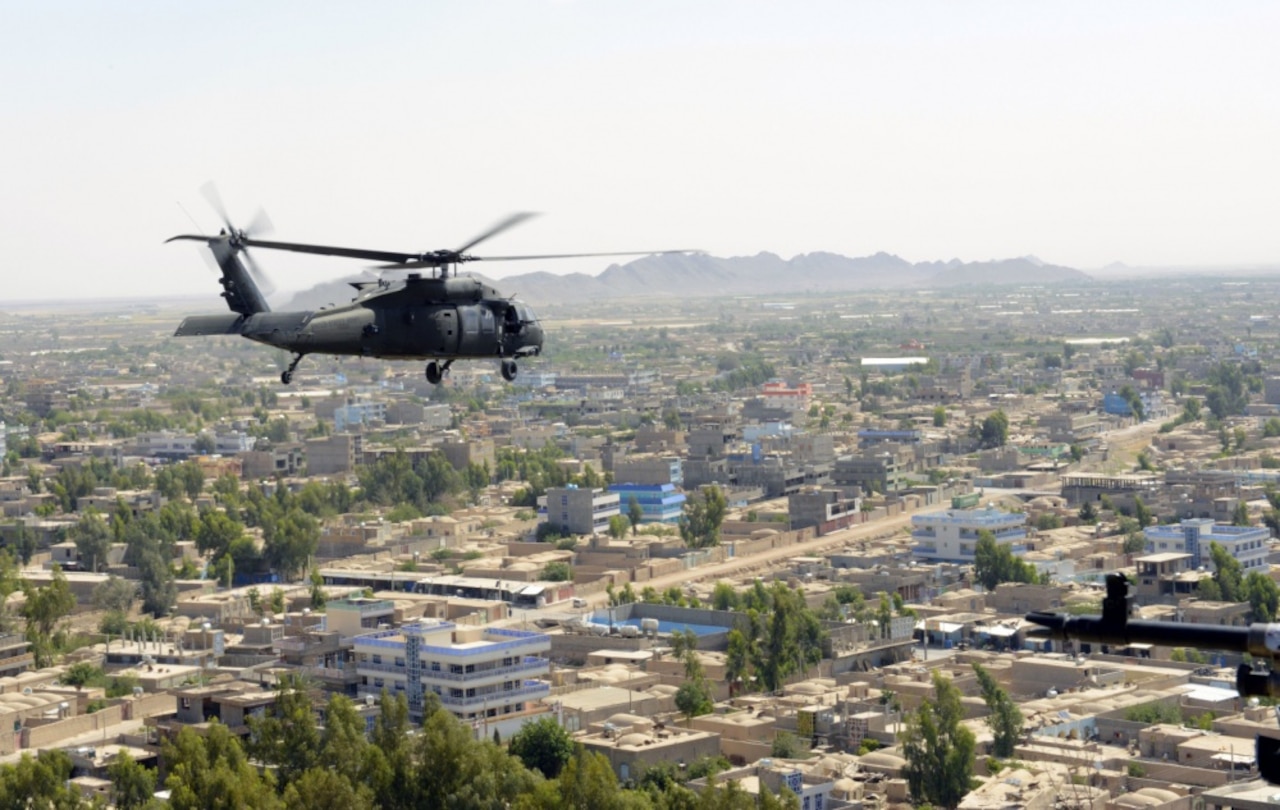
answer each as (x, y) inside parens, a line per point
(479, 331)
(421, 332)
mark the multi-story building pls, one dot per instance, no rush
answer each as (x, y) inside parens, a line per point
(334, 454)
(15, 658)
(872, 472)
(353, 414)
(1246, 544)
(484, 675)
(952, 534)
(581, 511)
(821, 508)
(462, 452)
(356, 615)
(649, 470)
(659, 503)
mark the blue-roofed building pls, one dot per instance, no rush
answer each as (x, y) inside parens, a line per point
(1249, 545)
(952, 534)
(659, 503)
(486, 676)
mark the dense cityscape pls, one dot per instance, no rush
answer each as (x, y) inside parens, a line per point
(732, 551)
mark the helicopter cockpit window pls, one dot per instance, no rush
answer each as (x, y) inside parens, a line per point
(526, 314)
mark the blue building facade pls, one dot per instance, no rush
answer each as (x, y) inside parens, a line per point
(660, 503)
(1249, 545)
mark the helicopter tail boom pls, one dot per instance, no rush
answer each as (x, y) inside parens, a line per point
(229, 324)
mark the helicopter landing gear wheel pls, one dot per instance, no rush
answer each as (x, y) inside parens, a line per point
(509, 370)
(286, 376)
(436, 372)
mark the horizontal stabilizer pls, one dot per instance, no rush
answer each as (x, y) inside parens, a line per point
(228, 324)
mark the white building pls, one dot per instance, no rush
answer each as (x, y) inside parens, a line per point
(1247, 544)
(952, 534)
(487, 676)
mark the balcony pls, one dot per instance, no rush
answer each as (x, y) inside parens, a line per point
(528, 691)
(529, 664)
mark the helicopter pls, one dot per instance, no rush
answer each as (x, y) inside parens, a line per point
(440, 317)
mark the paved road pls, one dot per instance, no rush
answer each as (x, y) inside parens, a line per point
(744, 566)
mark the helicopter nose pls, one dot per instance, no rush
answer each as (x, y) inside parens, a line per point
(533, 332)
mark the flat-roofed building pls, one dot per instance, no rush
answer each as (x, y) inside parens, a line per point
(952, 534)
(1249, 545)
(483, 675)
(581, 510)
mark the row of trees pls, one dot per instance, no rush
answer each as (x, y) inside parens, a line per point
(290, 762)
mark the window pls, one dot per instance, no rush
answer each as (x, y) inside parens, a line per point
(377, 659)
(435, 666)
(399, 661)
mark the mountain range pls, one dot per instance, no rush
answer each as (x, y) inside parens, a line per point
(702, 275)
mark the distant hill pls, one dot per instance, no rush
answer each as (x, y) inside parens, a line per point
(700, 275)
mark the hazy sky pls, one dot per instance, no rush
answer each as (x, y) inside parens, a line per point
(1083, 133)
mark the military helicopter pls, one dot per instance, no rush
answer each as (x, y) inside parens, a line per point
(441, 317)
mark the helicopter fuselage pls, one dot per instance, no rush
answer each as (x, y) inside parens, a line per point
(397, 330)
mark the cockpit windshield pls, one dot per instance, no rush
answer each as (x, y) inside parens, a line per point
(526, 314)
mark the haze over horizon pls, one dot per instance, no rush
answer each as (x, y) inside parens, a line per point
(1085, 134)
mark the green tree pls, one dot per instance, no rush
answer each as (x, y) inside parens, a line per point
(211, 771)
(557, 571)
(703, 514)
(618, 525)
(1240, 515)
(42, 781)
(290, 541)
(635, 514)
(724, 596)
(543, 745)
(1263, 595)
(1141, 513)
(939, 750)
(1088, 513)
(1005, 719)
(322, 789)
(92, 539)
(939, 416)
(995, 430)
(588, 783)
(694, 698)
(132, 784)
(994, 563)
(737, 662)
(44, 611)
(81, 673)
(286, 737)
(1047, 521)
(786, 746)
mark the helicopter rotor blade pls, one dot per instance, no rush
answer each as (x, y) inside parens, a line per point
(576, 255)
(497, 228)
(210, 193)
(435, 262)
(260, 225)
(265, 285)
